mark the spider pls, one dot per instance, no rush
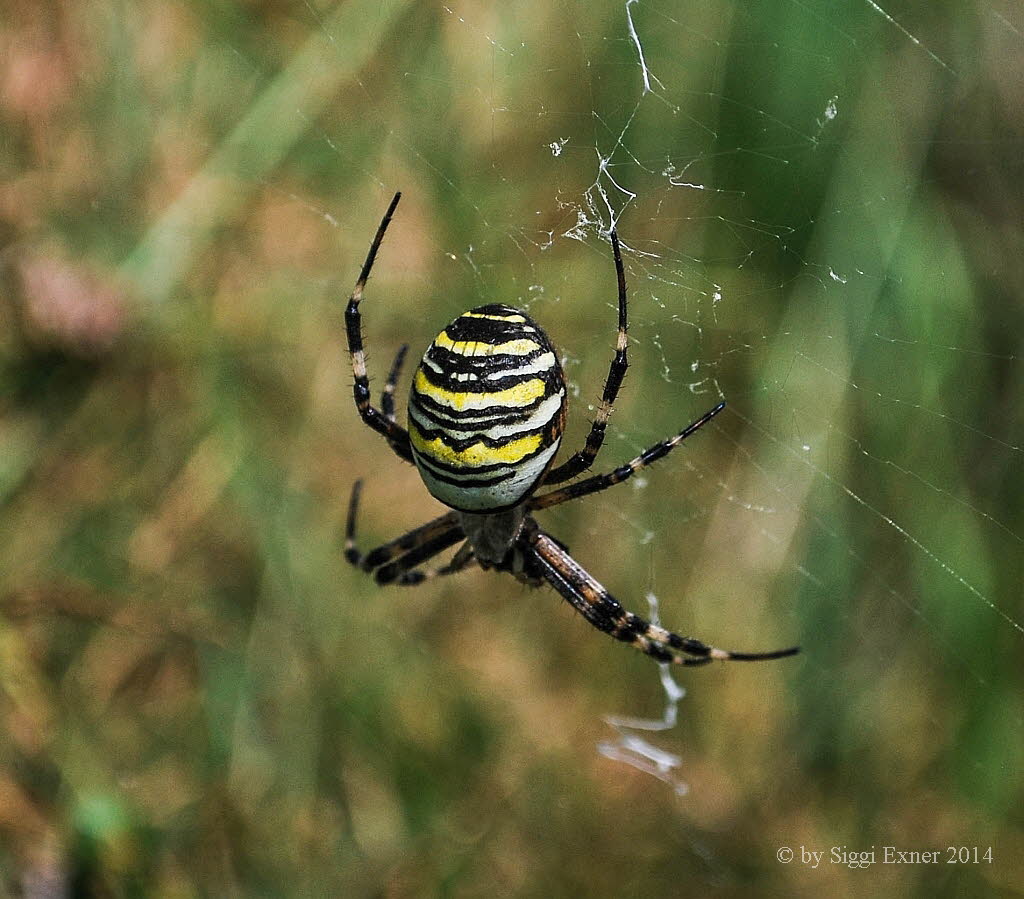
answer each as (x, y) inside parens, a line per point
(485, 419)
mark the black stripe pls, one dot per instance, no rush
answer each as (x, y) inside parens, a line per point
(460, 444)
(500, 309)
(490, 330)
(503, 413)
(465, 471)
(464, 422)
(442, 474)
(446, 380)
(446, 360)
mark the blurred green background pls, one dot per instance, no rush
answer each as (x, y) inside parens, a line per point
(822, 208)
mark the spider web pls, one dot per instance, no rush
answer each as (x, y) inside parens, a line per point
(807, 300)
(801, 213)
(820, 208)
(832, 335)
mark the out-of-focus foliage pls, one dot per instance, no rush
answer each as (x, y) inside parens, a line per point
(198, 697)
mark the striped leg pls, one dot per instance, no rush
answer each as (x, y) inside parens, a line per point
(396, 435)
(620, 474)
(583, 459)
(392, 562)
(460, 561)
(603, 611)
(402, 572)
(387, 396)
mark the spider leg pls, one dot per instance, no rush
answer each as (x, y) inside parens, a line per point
(620, 474)
(392, 562)
(585, 457)
(603, 611)
(396, 435)
(401, 570)
(462, 559)
(387, 396)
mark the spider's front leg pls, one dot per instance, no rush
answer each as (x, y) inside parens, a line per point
(584, 458)
(382, 422)
(387, 395)
(604, 611)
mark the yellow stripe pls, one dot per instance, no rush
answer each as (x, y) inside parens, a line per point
(521, 394)
(476, 454)
(520, 347)
(498, 318)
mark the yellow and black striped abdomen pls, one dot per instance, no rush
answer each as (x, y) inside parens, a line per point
(486, 410)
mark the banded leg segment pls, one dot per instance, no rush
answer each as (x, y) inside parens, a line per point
(401, 570)
(387, 395)
(623, 472)
(392, 562)
(460, 561)
(396, 435)
(585, 457)
(605, 612)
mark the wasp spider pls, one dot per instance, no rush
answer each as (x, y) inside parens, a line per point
(485, 420)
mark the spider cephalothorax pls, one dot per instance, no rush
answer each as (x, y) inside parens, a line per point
(486, 414)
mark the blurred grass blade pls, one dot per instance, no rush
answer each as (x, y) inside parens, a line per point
(278, 118)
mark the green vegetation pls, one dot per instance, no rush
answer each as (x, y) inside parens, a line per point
(822, 213)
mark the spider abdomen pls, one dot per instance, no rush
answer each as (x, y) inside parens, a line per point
(486, 409)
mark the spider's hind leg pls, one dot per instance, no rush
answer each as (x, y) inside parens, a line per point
(393, 562)
(546, 559)
(391, 574)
